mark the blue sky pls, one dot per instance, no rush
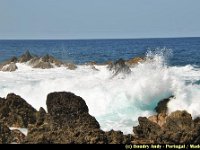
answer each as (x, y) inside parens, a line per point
(99, 19)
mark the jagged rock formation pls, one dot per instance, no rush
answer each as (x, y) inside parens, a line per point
(25, 57)
(48, 61)
(119, 67)
(44, 62)
(162, 105)
(16, 112)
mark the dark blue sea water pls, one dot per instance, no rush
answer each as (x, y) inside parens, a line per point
(185, 50)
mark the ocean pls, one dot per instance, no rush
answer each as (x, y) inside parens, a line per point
(172, 68)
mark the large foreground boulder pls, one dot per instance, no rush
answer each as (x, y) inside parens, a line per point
(68, 122)
(16, 112)
(70, 110)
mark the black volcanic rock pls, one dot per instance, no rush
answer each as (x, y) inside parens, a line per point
(16, 112)
(69, 109)
(119, 67)
(162, 105)
(40, 116)
(59, 103)
(68, 122)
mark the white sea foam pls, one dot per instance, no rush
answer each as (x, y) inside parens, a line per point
(115, 102)
(23, 130)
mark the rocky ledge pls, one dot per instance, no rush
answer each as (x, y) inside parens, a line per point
(67, 121)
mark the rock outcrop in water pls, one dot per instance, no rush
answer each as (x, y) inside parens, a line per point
(162, 105)
(134, 61)
(48, 61)
(25, 57)
(9, 67)
(119, 67)
(44, 62)
(161, 110)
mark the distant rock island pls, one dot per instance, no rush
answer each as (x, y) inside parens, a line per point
(48, 61)
(67, 121)
(44, 62)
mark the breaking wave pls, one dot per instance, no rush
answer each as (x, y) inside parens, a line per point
(115, 102)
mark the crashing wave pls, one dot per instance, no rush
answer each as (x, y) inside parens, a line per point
(115, 102)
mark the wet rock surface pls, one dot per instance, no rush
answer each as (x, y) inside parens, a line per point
(162, 105)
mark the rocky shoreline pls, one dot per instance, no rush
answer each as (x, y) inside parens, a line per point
(67, 121)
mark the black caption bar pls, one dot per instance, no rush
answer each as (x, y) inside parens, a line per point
(162, 146)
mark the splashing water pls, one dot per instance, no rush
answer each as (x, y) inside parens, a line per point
(115, 102)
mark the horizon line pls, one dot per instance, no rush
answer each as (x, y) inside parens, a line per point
(100, 38)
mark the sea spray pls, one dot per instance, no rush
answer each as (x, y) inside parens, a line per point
(115, 102)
